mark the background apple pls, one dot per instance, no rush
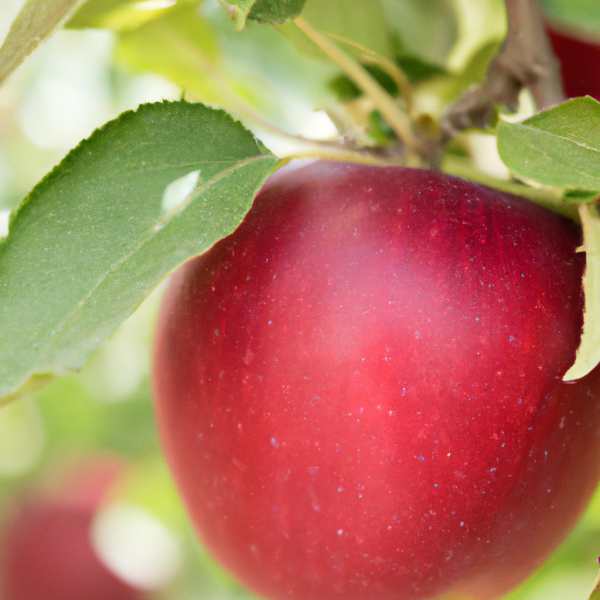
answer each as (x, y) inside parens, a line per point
(580, 62)
(47, 552)
(359, 391)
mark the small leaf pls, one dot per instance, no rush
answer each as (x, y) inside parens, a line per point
(94, 237)
(418, 69)
(276, 11)
(121, 15)
(346, 90)
(94, 13)
(202, 53)
(558, 147)
(581, 196)
(428, 29)
(588, 353)
(35, 23)
(181, 46)
(238, 11)
(364, 23)
(270, 11)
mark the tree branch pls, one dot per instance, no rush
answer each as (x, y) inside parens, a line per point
(525, 60)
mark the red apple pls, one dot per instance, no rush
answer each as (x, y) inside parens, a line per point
(580, 63)
(47, 552)
(360, 390)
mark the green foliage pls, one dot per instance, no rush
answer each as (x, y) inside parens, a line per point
(362, 22)
(588, 353)
(251, 70)
(417, 69)
(276, 11)
(580, 14)
(180, 45)
(580, 196)
(379, 130)
(345, 89)
(559, 147)
(238, 11)
(427, 29)
(120, 15)
(269, 11)
(35, 23)
(94, 237)
(99, 233)
(97, 13)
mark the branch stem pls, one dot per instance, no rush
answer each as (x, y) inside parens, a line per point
(390, 67)
(396, 118)
(525, 60)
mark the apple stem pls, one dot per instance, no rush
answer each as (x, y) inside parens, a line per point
(393, 114)
(525, 60)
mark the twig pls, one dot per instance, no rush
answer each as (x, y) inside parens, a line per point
(384, 157)
(302, 147)
(390, 67)
(397, 119)
(525, 60)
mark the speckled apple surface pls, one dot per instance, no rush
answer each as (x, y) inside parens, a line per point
(360, 392)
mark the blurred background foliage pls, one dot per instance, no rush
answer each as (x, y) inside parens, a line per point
(116, 54)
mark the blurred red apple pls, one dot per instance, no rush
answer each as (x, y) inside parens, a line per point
(360, 390)
(47, 552)
(580, 63)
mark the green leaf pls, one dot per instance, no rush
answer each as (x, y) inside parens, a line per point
(35, 23)
(479, 23)
(588, 353)
(238, 11)
(139, 197)
(94, 13)
(180, 46)
(417, 69)
(120, 15)
(559, 147)
(346, 90)
(255, 69)
(270, 11)
(580, 14)
(581, 196)
(362, 22)
(276, 11)
(427, 29)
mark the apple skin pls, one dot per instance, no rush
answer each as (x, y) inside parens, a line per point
(47, 552)
(580, 64)
(360, 392)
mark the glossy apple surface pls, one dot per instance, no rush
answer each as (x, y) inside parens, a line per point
(580, 64)
(359, 392)
(47, 553)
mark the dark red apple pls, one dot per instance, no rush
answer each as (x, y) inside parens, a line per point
(360, 391)
(47, 552)
(580, 63)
